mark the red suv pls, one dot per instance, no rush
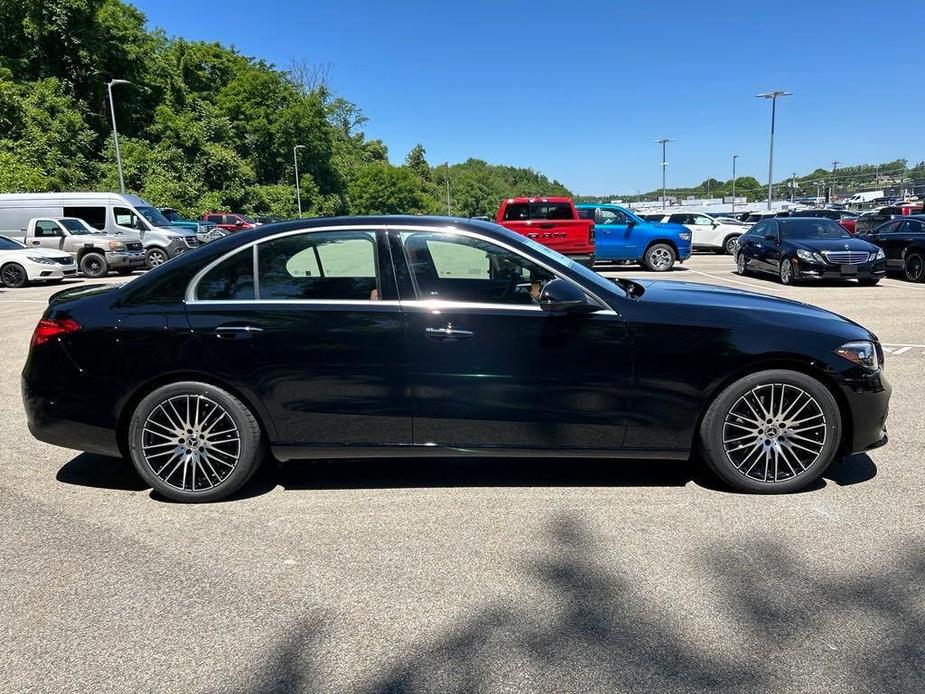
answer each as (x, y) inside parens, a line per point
(553, 222)
(230, 221)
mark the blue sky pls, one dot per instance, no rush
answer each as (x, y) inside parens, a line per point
(580, 91)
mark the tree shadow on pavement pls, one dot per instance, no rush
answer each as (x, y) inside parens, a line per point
(603, 629)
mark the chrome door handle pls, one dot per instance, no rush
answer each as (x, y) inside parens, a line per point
(448, 334)
(230, 332)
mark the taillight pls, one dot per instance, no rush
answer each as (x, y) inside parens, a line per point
(591, 234)
(48, 329)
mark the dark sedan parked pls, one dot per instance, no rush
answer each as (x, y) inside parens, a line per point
(903, 242)
(413, 336)
(801, 248)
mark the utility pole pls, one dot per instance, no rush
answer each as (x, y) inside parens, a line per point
(734, 157)
(449, 212)
(832, 185)
(663, 142)
(115, 130)
(773, 97)
(793, 186)
(298, 192)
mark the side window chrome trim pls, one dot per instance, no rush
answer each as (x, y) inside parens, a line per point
(190, 295)
(296, 302)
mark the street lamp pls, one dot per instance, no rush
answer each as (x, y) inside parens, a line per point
(773, 97)
(663, 142)
(832, 187)
(115, 131)
(734, 157)
(298, 193)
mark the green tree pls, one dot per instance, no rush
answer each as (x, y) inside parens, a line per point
(384, 189)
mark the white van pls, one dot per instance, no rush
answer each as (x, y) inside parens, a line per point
(112, 213)
(866, 196)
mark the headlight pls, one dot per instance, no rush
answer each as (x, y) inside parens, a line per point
(41, 259)
(684, 235)
(809, 256)
(863, 353)
(116, 246)
(880, 255)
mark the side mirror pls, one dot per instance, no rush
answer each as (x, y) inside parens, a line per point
(239, 223)
(560, 296)
(630, 223)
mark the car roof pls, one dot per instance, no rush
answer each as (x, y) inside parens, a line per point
(538, 198)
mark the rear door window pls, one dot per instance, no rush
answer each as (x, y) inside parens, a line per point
(230, 280)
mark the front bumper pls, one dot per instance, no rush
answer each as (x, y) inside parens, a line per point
(804, 270)
(118, 259)
(868, 398)
(42, 272)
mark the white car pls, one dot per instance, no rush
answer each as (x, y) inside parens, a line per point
(707, 233)
(20, 264)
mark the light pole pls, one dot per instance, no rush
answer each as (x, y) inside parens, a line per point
(734, 157)
(773, 97)
(663, 142)
(793, 187)
(832, 186)
(115, 130)
(298, 193)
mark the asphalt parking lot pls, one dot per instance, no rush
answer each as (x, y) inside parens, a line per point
(472, 576)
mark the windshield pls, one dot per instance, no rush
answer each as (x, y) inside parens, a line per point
(9, 244)
(811, 229)
(171, 215)
(578, 268)
(153, 216)
(76, 226)
(246, 218)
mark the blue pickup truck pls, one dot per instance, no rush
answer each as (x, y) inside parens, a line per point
(622, 236)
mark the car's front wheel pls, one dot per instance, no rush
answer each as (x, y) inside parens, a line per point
(194, 442)
(786, 272)
(155, 257)
(772, 431)
(914, 268)
(13, 276)
(659, 257)
(94, 265)
(741, 266)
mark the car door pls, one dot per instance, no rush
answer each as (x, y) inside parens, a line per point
(308, 322)
(911, 232)
(709, 233)
(750, 246)
(614, 237)
(47, 234)
(771, 249)
(492, 369)
(888, 238)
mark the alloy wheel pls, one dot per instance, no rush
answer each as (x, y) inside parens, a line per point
(740, 264)
(774, 433)
(660, 258)
(13, 276)
(786, 271)
(191, 443)
(156, 258)
(915, 268)
(731, 245)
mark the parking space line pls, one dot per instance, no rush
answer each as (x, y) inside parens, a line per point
(901, 285)
(22, 301)
(726, 279)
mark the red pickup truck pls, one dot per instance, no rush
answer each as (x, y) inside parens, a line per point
(553, 222)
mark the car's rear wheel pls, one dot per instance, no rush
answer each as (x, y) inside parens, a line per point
(772, 431)
(730, 244)
(194, 442)
(914, 267)
(659, 257)
(786, 272)
(13, 276)
(94, 265)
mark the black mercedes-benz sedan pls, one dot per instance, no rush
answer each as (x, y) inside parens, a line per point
(413, 336)
(805, 248)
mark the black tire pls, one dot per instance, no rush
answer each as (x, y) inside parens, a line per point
(741, 265)
(873, 282)
(124, 271)
(785, 272)
(730, 243)
(155, 257)
(914, 267)
(723, 417)
(150, 442)
(13, 276)
(659, 257)
(94, 265)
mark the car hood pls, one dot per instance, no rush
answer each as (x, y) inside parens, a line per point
(852, 244)
(45, 252)
(665, 225)
(176, 230)
(736, 306)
